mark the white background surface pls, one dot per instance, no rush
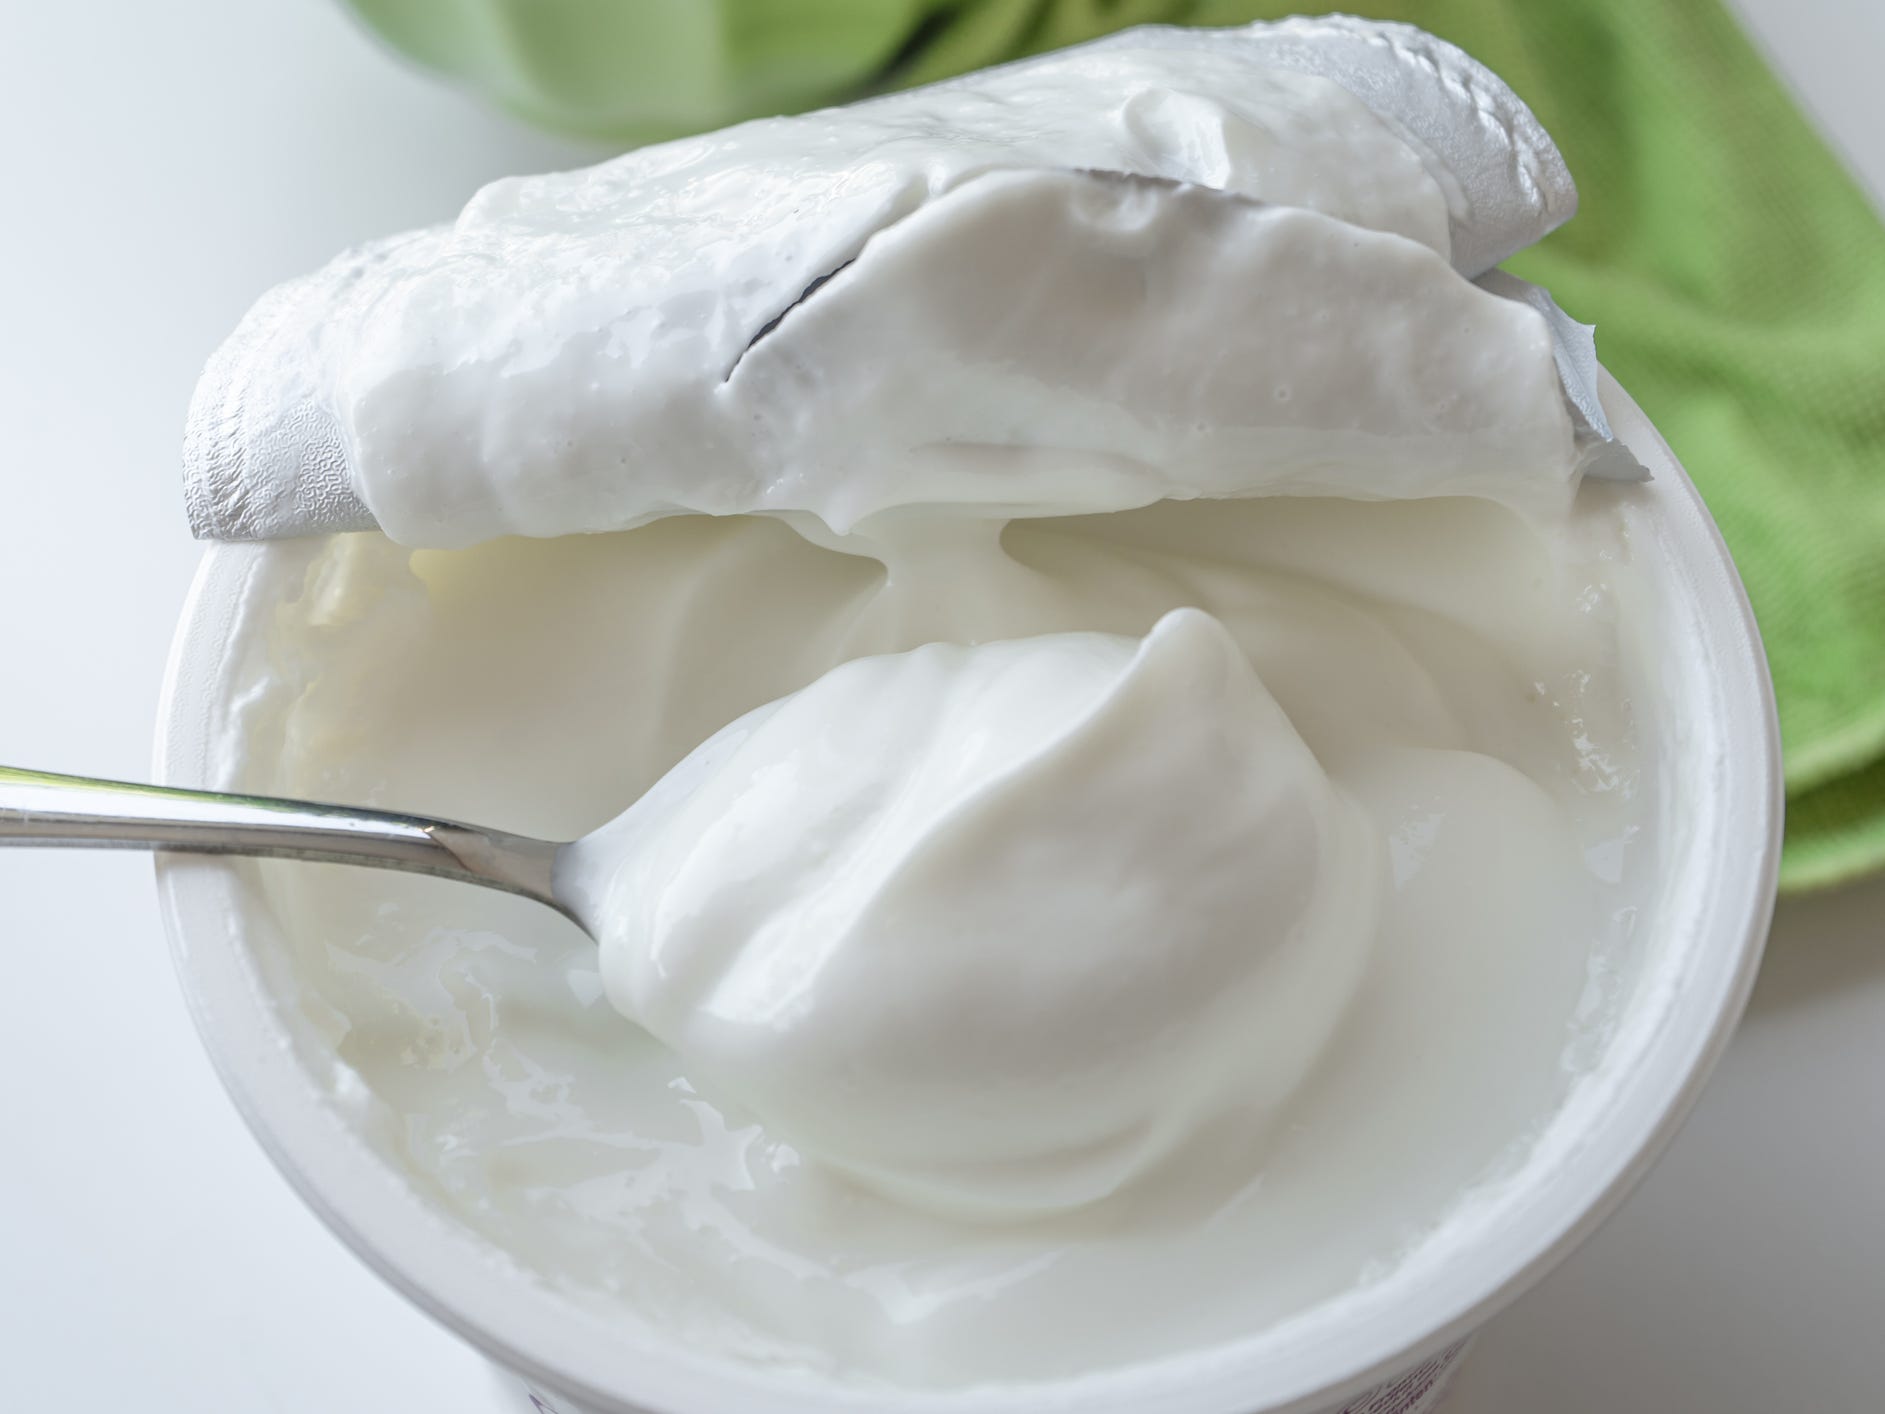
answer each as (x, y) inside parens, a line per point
(160, 164)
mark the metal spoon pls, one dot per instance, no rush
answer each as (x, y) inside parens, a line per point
(39, 808)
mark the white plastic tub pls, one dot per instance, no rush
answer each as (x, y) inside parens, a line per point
(1709, 705)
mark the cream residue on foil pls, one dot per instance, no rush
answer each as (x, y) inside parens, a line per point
(1172, 263)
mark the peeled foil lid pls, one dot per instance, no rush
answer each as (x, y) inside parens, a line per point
(1574, 346)
(266, 457)
(263, 457)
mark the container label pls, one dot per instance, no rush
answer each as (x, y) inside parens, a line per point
(1415, 1391)
(1418, 1391)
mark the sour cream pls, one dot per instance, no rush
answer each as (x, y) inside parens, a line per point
(1100, 617)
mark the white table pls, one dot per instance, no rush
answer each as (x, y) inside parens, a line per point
(162, 164)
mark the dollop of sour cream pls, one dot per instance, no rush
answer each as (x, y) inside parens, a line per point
(995, 929)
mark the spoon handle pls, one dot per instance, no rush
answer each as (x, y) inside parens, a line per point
(38, 808)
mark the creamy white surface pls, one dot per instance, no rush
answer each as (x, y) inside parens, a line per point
(1447, 666)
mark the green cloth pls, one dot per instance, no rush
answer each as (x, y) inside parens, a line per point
(1735, 272)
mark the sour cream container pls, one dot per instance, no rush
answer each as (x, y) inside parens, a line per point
(1705, 699)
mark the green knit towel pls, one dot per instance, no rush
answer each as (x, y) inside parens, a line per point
(1734, 271)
